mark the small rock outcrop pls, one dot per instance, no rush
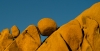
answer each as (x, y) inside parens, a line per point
(28, 40)
(5, 39)
(15, 31)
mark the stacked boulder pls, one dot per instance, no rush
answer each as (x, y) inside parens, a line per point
(28, 40)
(5, 39)
(80, 34)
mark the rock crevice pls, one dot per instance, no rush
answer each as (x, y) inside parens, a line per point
(79, 34)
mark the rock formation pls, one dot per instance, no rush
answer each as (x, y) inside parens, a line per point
(86, 46)
(5, 39)
(79, 34)
(72, 34)
(90, 23)
(15, 31)
(47, 26)
(28, 40)
(54, 42)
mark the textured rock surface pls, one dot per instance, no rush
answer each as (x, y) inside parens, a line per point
(72, 34)
(12, 47)
(29, 40)
(54, 42)
(5, 39)
(15, 31)
(91, 31)
(90, 22)
(86, 45)
(47, 26)
(93, 12)
(80, 34)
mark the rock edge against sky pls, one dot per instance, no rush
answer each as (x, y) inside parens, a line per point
(79, 34)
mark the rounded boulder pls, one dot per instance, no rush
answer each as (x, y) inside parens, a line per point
(47, 26)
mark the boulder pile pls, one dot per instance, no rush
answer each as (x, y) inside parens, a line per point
(79, 34)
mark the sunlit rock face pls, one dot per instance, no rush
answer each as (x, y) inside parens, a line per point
(72, 34)
(15, 31)
(47, 26)
(28, 40)
(5, 39)
(79, 34)
(54, 42)
(90, 23)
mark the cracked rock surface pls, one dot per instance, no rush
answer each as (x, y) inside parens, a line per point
(28, 40)
(54, 42)
(5, 39)
(79, 34)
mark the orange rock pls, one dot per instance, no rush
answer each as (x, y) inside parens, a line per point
(4, 39)
(90, 23)
(12, 47)
(72, 34)
(47, 26)
(0, 34)
(15, 31)
(33, 31)
(93, 12)
(92, 33)
(86, 45)
(28, 40)
(54, 42)
(80, 34)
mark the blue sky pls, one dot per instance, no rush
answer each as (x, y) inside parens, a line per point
(25, 12)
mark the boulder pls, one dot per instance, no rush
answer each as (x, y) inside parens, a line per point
(93, 12)
(15, 31)
(90, 23)
(28, 40)
(72, 34)
(54, 42)
(47, 26)
(5, 40)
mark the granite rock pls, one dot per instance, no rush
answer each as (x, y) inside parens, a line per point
(54, 42)
(47, 26)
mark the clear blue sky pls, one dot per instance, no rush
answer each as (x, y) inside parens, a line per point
(25, 12)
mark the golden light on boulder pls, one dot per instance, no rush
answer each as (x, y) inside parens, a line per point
(15, 31)
(47, 26)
